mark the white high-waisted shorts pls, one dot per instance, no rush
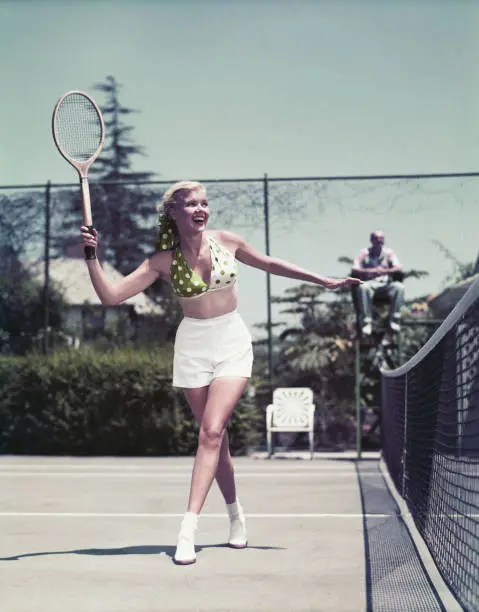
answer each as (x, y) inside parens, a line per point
(210, 348)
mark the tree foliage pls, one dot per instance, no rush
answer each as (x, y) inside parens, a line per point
(116, 159)
(119, 402)
(22, 306)
(461, 270)
(318, 351)
(21, 222)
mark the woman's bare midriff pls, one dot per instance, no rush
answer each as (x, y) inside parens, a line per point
(210, 304)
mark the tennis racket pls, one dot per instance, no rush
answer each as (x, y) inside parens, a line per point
(79, 133)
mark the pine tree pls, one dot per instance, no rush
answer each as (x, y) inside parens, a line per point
(115, 161)
(21, 223)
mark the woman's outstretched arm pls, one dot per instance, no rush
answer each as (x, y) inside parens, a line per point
(111, 294)
(248, 255)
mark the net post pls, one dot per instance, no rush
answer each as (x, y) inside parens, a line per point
(404, 447)
(357, 394)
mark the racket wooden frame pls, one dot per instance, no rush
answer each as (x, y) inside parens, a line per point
(81, 167)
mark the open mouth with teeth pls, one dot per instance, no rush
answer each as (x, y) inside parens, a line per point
(199, 219)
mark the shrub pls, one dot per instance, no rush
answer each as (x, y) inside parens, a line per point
(117, 403)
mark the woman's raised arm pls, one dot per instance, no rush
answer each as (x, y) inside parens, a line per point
(132, 284)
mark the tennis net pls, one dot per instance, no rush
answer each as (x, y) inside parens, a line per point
(430, 429)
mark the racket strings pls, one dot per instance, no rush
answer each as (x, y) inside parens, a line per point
(78, 128)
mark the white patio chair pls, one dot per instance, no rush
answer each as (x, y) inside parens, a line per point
(292, 410)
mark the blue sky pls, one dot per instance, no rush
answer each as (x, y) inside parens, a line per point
(238, 89)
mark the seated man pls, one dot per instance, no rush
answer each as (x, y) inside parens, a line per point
(377, 266)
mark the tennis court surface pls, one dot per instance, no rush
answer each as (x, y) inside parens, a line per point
(98, 534)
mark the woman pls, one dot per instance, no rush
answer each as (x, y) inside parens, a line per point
(213, 355)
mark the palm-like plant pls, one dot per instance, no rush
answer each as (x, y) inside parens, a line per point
(318, 352)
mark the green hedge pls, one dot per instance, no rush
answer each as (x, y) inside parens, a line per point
(117, 403)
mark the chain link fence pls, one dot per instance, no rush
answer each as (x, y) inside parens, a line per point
(318, 223)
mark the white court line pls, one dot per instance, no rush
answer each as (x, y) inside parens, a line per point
(187, 474)
(273, 465)
(209, 515)
(179, 515)
(34, 465)
(310, 467)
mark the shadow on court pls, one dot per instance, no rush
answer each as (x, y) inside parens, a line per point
(169, 551)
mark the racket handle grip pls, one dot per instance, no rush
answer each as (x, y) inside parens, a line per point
(90, 252)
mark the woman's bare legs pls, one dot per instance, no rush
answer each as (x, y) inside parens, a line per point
(225, 476)
(225, 471)
(223, 395)
(213, 407)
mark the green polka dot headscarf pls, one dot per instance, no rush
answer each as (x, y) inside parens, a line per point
(167, 237)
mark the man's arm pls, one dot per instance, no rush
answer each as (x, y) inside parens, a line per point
(394, 264)
(358, 270)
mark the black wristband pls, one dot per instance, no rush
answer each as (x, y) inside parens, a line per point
(90, 252)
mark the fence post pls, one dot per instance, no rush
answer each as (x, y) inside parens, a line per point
(46, 284)
(357, 395)
(268, 283)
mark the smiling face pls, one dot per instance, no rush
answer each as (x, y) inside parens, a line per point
(190, 211)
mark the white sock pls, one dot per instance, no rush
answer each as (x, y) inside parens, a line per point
(234, 509)
(190, 520)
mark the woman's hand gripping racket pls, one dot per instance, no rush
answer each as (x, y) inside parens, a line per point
(79, 133)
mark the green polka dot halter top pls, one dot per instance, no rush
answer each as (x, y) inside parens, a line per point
(186, 283)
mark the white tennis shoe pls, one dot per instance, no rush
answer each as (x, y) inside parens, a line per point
(395, 326)
(185, 549)
(367, 329)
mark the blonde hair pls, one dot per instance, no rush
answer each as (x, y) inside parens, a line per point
(176, 191)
